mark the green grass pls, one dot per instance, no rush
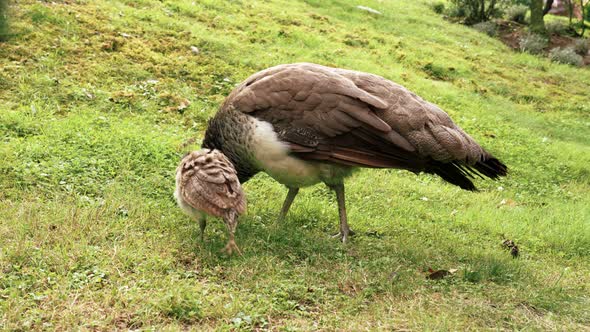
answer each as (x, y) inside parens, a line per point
(92, 127)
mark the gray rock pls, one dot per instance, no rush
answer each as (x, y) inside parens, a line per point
(370, 10)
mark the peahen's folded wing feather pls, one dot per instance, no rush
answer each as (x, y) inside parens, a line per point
(360, 119)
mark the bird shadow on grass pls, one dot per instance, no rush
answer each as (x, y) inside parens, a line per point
(286, 240)
(290, 243)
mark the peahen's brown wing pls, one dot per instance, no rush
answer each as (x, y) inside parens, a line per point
(209, 183)
(360, 119)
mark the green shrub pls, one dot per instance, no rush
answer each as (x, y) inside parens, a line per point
(566, 56)
(489, 28)
(438, 7)
(532, 43)
(581, 46)
(556, 27)
(516, 13)
(475, 11)
(455, 11)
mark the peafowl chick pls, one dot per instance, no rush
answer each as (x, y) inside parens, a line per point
(207, 184)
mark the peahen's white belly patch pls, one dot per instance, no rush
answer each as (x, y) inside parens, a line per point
(273, 157)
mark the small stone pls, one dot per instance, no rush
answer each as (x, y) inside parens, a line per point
(195, 50)
(369, 9)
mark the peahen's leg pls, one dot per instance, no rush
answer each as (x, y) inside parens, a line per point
(345, 230)
(287, 204)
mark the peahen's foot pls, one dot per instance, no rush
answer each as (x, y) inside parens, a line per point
(231, 247)
(344, 237)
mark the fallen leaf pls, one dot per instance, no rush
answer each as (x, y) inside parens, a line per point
(507, 202)
(510, 245)
(183, 104)
(514, 251)
(437, 275)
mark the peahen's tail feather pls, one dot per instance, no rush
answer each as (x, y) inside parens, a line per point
(460, 174)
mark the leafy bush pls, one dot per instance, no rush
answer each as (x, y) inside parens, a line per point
(516, 13)
(439, 72)
(476, 11)
(532, 43)
(566, 55)
(455, 11)
(581, 46)
(489, 28)
(556, 27)
(438, 7)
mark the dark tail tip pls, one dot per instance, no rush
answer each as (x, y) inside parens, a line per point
(453, 173)
(460, 174)
(491, 167)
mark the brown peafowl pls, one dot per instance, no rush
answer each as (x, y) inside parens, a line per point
(207, 184)
(305, 123)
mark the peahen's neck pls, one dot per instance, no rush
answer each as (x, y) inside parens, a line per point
(228, 132)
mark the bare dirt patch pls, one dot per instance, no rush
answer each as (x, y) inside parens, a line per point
(511, 32)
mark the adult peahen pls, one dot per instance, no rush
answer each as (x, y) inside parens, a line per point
(305, 123)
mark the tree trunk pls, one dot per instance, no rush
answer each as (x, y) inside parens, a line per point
(482, 12)
(583, 8)
(537, 23)
(570, 10)
(547, 8)
(3, 20)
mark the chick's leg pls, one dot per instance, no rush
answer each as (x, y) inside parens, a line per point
(203, 224)
(345, 230)
(231, 221)
(287, 204)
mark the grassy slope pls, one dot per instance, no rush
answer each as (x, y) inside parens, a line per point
(91, 134)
